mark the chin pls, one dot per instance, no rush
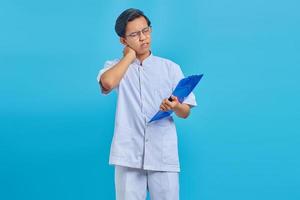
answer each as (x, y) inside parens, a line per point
(144, 51)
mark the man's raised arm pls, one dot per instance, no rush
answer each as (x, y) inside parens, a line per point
(112, 77)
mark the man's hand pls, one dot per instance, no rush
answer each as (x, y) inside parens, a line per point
(181, 109)
(129, 52)
(167, 105)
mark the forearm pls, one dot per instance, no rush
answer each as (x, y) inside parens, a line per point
(182, 110)
(113, 76)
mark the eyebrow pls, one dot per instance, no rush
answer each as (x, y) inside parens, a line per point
(138, 30)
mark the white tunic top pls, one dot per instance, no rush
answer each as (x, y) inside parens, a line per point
(136, 143)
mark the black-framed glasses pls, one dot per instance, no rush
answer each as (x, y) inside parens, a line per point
(136, 35)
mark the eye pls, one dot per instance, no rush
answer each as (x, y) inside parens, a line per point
(133, 34)
(145, 30)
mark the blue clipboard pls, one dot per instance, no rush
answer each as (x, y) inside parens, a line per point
(184, 87)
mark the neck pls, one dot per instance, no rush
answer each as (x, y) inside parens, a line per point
(142, 57)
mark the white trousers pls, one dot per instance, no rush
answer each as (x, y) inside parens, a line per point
(133, 184)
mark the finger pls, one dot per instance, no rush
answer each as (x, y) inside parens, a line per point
(174, 98)
(168, 107)
(162, 107)
(165, 101)
(169, 104)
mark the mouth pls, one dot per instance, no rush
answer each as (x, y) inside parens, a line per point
(144, 45)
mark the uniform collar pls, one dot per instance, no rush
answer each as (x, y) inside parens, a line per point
(145, 61)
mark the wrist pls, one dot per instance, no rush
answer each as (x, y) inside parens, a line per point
(130, 56)
(177, 107)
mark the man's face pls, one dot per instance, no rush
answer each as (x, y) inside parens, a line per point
(138, 36)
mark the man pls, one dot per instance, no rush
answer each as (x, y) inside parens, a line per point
(145, 155)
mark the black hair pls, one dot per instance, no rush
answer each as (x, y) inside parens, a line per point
(127, 16)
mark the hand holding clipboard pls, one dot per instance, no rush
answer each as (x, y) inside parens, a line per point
(182, 90)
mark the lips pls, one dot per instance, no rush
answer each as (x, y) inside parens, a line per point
(144, 45)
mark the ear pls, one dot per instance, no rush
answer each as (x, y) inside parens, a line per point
(123, 41)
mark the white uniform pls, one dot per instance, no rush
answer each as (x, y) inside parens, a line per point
(137, 144)
(132, 184)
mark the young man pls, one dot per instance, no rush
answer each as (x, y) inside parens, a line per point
(145, 154)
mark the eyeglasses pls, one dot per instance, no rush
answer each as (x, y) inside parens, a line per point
(136, 35)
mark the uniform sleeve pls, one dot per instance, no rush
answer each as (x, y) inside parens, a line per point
(177, 76)
(107, 65)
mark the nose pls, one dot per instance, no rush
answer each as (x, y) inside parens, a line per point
(142, 36)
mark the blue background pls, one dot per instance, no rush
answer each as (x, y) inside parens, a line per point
(241, 142)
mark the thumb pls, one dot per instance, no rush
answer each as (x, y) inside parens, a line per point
(174, 98)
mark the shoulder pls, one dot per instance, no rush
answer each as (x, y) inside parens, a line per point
(109, 63)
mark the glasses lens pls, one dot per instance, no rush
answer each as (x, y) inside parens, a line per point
(136, 35)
